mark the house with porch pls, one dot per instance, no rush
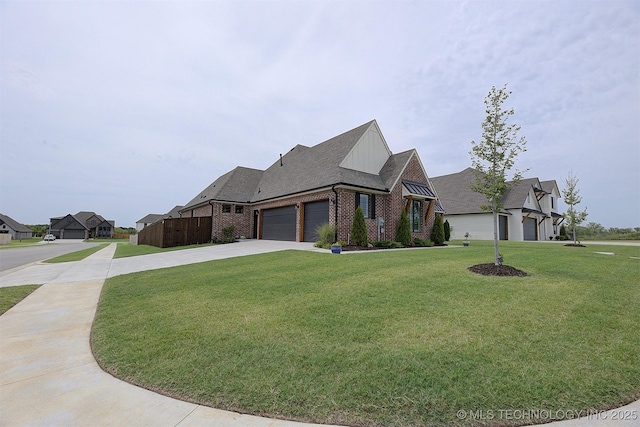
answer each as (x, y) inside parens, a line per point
(530, 209)
(83, 225)
(324, 183)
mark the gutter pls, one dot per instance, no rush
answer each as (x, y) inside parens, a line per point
(335, 211)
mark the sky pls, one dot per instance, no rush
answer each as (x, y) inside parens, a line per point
(127, 108)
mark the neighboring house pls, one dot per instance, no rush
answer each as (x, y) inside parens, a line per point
(82, 225)
(325, 183)
(151, 218)
(10, 226)
(530, 208)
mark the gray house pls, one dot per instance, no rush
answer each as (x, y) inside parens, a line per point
(10, 226)
(82, 225)
(152, 218)
(530, 208)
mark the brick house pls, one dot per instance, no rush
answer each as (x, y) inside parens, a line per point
(309, 186)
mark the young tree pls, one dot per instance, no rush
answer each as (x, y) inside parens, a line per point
(437, 233)
(571, 198)
(495, 155)
(359, 228)
(447, 230)
(403, 233)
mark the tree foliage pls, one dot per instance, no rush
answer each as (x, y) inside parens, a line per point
(447, 230)
(494, 156)
(403, 233)
(572, 199)
(359, 228)
(437, 233)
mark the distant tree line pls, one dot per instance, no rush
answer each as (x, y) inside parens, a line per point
(596, 231)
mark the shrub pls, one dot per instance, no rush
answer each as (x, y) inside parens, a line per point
(326, 233)
(383, 244)
(228, 234)
(421, 242)
(403, 233)
(359, 228)
(437, 233)
(447, 231)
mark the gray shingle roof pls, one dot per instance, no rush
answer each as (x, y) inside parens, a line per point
(150, 218)
(549, 185)
(13, 224)
(457, 197)
(303, 169)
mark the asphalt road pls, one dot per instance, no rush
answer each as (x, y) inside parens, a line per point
(25, 255)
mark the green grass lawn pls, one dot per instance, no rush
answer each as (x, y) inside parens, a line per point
(24, 242)
(12, 295)
(382, 338)
(127, 250)
(77, 255)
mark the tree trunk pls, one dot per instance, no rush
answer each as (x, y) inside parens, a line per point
(496, 251)
(574, 235)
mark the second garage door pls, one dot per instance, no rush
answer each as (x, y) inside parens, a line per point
(529, 227)
(315, 214)
(279, 223)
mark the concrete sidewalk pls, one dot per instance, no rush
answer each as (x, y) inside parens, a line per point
(48, 375)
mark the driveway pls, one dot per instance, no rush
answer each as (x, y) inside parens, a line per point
(48, 375)
(26, 255)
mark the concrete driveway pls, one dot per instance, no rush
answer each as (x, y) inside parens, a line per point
(48, 375)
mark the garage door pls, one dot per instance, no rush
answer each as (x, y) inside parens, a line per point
(502, 221)
(315, 214)
(529, 227)
(279, 223)
(73, 234)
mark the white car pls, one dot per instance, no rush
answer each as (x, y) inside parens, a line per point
(49, 238)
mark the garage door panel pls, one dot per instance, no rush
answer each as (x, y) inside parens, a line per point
(279, 223)
(529, 228)
(315, 214)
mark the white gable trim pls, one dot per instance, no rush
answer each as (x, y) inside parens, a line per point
(370, 153)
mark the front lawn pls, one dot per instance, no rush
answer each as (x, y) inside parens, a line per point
(10, 296)
(385, 337)
(77, 255)
(127, 250)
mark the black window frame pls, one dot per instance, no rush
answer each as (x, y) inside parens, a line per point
(412, 216)
(239, 209)
(371, 204)
(226, 208)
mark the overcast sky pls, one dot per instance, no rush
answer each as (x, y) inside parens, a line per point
(132, 107)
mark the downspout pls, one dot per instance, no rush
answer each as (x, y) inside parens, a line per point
(210, 204)
(335, 209)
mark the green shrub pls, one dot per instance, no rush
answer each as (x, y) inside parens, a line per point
(228, 234)
(421, 242)
(447, 231)
(437, 233)
(359, 228)
(403, 233)
(326, 233)
(382, 243)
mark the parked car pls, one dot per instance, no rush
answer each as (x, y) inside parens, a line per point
(49, 238)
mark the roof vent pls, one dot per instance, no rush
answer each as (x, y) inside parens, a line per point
(280, 159)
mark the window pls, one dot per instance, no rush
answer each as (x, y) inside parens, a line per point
(415, 216)
(368, 204)
(93, 222)
(239, 209)
(553, 202)
(226, 208)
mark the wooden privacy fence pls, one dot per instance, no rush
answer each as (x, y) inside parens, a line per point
(176, 232)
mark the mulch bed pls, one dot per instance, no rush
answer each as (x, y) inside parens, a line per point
(497, 270)
(575, 245)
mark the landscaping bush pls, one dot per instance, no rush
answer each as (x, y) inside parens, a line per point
(359, 228)
(403, 233)
(383, 244)
(437, 233)
(326, 234)
(447, 231)
(423, 243)
(228, 234)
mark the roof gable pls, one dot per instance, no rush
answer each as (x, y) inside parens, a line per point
(370, 153)
(13, 224)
